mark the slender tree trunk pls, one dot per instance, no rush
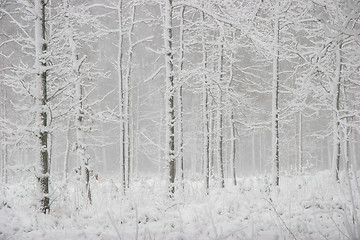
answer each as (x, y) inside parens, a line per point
(219, 114)
(205, 110)
(180, 109)
(127, 96)
(275, 107)
(336, 118)
(232, 121)
(211, 142)
(81, 147)
(80, 142)
(169, 96)
(347, 134)
(119, 69)
(41, 104)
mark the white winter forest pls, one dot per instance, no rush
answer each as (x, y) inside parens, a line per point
(179, 119)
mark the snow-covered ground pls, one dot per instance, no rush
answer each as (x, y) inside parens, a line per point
(304, 207)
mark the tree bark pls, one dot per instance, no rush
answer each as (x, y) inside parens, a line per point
(219, 113)
(275, 106)
(127, 98)
(81, 147)
(180, 109)
(41, 103)
(169, 96)
(119, 69)
(336, 117)
(205, 110)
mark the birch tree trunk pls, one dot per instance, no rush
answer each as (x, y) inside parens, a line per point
(275, 105)
(40, 102)
(169, 96)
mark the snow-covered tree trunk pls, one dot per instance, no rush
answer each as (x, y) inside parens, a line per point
(219, 113)
(180, 108)
(80, 141)
(119, 69)
(232, 120)
(41, 121)
(336, 117)
(275, 105)
(212, 144)
(169, 95)
(127, 97)
(80, 148)
(205, 109)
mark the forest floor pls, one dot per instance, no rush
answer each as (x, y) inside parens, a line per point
(304, 207)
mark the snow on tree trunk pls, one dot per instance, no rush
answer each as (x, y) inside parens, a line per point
(169, 95)
(80, 142)
(205, 110)
(232, 121)
(127, 96)
(219, 114)
(42, 171)
(81, 147)
(336, 117)
(180, 128)
(275, 106)
(119, 69)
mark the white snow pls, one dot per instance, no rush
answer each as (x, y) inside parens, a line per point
(304, 207)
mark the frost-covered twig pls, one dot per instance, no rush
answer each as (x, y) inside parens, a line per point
(113, 223)
(278, 215)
